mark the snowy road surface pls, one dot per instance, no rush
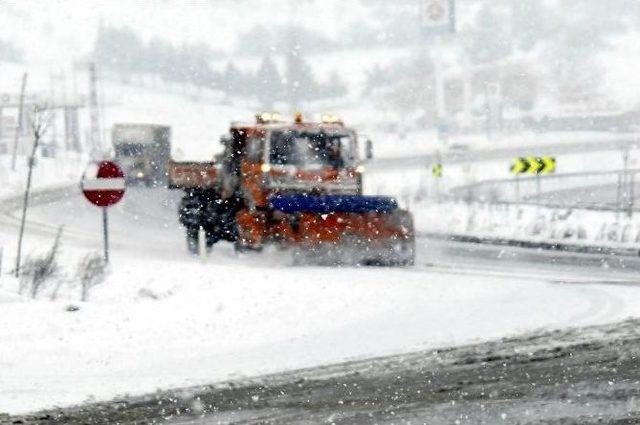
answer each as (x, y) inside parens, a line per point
(163, 319)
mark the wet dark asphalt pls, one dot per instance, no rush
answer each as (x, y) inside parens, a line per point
(576, 376)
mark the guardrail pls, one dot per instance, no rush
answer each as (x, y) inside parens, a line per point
(555, 190)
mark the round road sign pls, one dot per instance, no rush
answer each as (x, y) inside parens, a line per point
(103, 183)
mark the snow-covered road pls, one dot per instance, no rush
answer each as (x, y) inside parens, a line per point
(164, 319)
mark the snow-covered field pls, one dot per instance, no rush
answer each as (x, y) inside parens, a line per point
(47, 174)
(160, 324)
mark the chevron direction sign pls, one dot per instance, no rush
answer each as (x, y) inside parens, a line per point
(436, 170)
(534, 165)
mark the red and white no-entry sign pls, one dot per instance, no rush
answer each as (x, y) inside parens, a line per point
(103, 183)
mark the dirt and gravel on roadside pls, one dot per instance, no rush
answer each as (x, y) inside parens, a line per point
(576, 376)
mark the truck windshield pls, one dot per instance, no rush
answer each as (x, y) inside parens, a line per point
(311, 149)
(129, 149)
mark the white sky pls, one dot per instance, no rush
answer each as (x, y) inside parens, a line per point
(64, 28)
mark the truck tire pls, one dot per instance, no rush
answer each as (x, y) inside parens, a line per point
(240, 247)
(192, 240)
(211, 237)
(408, 248)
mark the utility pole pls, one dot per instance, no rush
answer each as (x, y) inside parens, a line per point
(493, 108)
(627, 179)
(96, 144)
(52, 102)
(16, 137)
(438, 81)
(438, 19)
(632, 192)
(625, 176)
(618, 197)
(293, 61)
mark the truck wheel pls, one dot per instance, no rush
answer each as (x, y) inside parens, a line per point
(211, 238)
(192, 241)
(406, 249)
(409, 252)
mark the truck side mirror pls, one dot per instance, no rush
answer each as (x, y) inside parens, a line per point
(368, 149)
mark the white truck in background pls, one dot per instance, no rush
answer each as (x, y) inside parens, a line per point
(142, 151)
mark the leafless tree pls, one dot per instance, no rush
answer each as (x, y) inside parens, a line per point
(40, 121)
(37, 270)
(90, 273)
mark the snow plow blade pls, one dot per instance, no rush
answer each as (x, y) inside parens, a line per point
(333, 204)
(349, 229)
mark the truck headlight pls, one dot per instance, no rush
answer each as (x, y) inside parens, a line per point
(140, 175)
(360, 169)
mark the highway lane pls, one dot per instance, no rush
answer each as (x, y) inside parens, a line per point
(145, 224)
(620, 143)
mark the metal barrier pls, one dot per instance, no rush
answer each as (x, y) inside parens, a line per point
(608, 191)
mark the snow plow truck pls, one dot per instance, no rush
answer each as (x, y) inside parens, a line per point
(297, 185)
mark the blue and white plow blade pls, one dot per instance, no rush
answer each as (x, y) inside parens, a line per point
(325, 204)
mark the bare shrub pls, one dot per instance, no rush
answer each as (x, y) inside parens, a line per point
(37, 270)
(91, 271)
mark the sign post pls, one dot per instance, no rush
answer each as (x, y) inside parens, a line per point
(533, 165)
(103, 184)
(436, 170)
(105, 230)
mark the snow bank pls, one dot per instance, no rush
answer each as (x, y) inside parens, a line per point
(529, 223)
(48, 173)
